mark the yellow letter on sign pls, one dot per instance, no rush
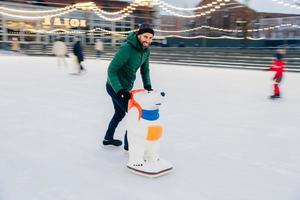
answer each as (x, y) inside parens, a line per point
(82, 23)
(74, 22)
(47, 22)
(67, 22)
(57, 22)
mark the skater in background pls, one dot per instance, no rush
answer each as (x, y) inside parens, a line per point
(78, 52)
(15, 45)
(99, 48)
(277, 66)
(60, 50)
(132, 55)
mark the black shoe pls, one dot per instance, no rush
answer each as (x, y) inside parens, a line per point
(275, 96)
(125, 148)
(112, 142)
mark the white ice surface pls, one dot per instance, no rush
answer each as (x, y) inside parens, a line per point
(226, 139)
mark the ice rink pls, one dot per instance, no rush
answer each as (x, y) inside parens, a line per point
(226, 139)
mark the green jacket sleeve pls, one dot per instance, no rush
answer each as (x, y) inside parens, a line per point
(117, 63)
(145, 72)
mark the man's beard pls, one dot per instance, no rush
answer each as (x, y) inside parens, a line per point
(145, 44)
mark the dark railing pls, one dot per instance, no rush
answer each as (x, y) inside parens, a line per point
(250, 58)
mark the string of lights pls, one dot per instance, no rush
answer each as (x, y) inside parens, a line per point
(191, 16)
(112, 19)
(130, 7)
(36, 11)
(162, 31)
(165, 6)
(37, 17)
(229, 30)
(208, 37)
(209, 5)
(125, 12)
(62, 31)
(198, 28)
(59, 31)
(199, 36)
(122, 34)
(284, 3)
(107, 31)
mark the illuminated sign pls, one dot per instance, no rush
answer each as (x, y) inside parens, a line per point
(64, 22)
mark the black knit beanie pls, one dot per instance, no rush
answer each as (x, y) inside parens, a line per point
(145, 28)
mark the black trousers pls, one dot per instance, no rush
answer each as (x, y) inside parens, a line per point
(120, 107)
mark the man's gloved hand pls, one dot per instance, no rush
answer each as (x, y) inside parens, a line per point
(124, 95)
(148, 87)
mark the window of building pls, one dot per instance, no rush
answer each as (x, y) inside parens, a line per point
(209, 21)
(226, 22)
(30, 38)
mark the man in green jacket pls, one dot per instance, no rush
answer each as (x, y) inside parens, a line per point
(132, 55)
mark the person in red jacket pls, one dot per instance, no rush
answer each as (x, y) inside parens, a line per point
(277, 66)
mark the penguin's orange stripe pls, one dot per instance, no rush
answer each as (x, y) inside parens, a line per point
(154, 133)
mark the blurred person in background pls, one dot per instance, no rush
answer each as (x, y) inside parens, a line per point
(132, 56)
(277, 66)
(78, 52)
(99, 48)
(60, 50)
(15, 45)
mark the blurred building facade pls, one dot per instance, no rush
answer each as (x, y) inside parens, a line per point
(23, 29)
(173, 23)
(235, 16)
(289, 31)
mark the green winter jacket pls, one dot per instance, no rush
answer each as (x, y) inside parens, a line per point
(130, 57)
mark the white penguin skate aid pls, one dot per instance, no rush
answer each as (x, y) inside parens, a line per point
(144, 132)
